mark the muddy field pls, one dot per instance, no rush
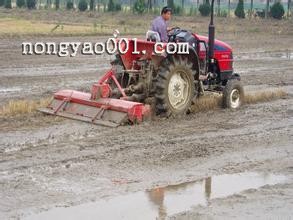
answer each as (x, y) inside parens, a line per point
(48, 162)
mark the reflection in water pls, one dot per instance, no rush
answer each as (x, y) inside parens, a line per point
(157, 197)
(201, 196)
(208, 187)
(161, 202)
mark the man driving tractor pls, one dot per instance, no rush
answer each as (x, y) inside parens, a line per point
(160, 25)
(138, 84)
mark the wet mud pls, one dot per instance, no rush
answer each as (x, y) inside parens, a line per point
(159, 203)
(47, 162)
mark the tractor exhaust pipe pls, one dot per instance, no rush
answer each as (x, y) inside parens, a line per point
(211, 35)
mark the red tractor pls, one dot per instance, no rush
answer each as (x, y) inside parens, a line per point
(164, 83)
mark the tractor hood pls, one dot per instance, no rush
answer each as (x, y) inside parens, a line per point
(219, 45)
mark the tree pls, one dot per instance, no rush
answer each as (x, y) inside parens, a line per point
(205, 9)
(31, 4)
(111, 5)
(118, 7)
(49, 3)
(69, 5)
(178, 10)
(20, 3)
(171, 4)
(2, 2)
(104, 3)
(149, 4)
(82, 5)
(219, 7)
(267, 9)
(239, 11)
(289, 8)
(277, 10)
(98, 5)
(92, 5)
(139, 6)
(251, 8)
(57, 4)
(7, 4)
(229, 7)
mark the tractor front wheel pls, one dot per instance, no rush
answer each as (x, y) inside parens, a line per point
(175, 87)
(233, 94)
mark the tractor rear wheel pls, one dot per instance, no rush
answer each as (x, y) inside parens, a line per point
(233, 94)
(175, 87)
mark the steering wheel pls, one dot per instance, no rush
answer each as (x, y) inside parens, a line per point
(172, 33)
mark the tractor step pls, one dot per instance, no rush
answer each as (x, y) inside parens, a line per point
(103, 111)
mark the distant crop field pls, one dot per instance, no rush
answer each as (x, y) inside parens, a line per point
(22, 22)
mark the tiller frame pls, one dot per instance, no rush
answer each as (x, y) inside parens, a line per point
(97, 107)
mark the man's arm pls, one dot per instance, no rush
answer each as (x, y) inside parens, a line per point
(164, 35)
(163, 32)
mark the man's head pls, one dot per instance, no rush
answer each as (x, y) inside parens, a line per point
(166, 13)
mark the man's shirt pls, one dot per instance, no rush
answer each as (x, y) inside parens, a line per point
(160, 25)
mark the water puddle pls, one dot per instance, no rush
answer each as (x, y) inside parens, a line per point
(9, 90)
(165, 201)
(287, 55)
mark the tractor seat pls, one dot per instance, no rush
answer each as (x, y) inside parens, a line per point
(153, 36)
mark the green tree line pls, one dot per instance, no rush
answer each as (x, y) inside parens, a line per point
(180, 7)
